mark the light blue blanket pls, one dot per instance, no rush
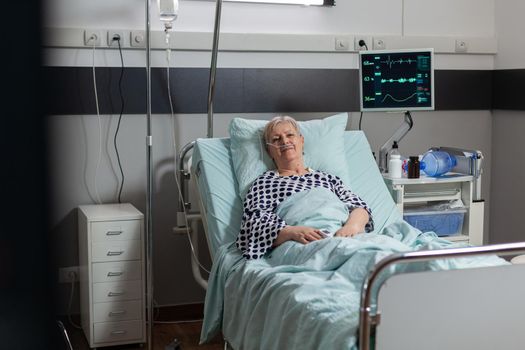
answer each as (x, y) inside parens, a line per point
(319, 208)
(307, 296)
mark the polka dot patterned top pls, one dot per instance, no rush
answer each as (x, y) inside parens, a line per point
(260, 225)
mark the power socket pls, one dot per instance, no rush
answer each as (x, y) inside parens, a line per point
(112, 34)
(92, 37)
(137, 38)
(461, 46)
(367, 41)
(65, 274)
(379, 44)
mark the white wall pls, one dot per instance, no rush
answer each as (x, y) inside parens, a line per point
(511, 46)
(507, 129)
(74, 139)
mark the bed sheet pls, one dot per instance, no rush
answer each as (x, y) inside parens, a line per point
(308, 296)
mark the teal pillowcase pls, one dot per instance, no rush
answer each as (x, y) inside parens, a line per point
(323, 148)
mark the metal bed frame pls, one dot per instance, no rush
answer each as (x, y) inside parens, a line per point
(370, 318)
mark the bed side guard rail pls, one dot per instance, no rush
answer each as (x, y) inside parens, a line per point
(188, 222)
(367, 318)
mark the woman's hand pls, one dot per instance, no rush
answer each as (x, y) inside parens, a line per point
(355, 224)
(350, 230)
(301, 234)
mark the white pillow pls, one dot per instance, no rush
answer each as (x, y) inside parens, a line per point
(323, 148)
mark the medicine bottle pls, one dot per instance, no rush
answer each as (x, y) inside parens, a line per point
(394, 166)
(413, 167)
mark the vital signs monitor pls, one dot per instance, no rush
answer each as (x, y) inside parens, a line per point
(400, 80)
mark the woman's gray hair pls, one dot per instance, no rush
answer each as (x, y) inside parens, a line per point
(276, 121)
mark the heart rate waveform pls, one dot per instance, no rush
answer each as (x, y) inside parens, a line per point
(389, 62)
(400, 80)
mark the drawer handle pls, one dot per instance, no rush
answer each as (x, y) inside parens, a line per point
(114, 253)
(114, 233)
(118, 332)
(113, 274)
(117, 313)
(115, 294)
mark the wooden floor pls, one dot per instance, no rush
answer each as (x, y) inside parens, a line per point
(187, 333)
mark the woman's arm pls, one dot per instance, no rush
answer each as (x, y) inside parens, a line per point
(260, 226)
(353, 202)
(357, 220)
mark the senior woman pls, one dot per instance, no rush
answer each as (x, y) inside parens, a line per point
(261, 227)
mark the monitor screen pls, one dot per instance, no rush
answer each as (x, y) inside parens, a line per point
(401, 80)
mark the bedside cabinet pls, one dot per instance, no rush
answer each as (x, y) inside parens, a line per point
(427, 190)
(112, 274)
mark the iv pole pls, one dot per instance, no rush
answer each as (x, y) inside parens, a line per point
(149, 187)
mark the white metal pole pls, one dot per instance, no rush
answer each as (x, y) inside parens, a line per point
(149, 189)
(213, 65)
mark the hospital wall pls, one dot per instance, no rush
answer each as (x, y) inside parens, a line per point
(74, 142)
(508, 126)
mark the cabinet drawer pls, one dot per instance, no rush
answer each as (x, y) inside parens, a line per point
(117, 271)
(117, 291)
(115, 251)
(117, 331)
(117, 311)
(105, 231)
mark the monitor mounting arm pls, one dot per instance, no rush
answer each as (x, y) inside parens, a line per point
(397, 136)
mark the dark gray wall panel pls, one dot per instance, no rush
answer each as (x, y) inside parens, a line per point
(241, 90)
(509, 86)
(463, 89)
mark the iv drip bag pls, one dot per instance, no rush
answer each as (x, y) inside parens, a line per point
(168, 11)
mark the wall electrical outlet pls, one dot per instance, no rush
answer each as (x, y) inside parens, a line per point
(342, 44)
(65, 274)
(138, 38)
(112, 34)
(379, 44)
(92, 37)
(461, 46)
(366, 40)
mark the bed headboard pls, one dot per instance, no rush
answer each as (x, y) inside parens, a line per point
(213, 174)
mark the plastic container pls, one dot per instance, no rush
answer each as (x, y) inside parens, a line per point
(442, 222)
(394, 166)
(437, 163)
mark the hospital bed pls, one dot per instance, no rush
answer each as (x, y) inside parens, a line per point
(350, 293)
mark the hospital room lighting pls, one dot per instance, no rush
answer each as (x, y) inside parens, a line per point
(289, 2)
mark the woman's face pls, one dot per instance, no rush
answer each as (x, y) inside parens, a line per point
(285, 143)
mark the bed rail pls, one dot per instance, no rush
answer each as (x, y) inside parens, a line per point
(368, 318)
(188, 222)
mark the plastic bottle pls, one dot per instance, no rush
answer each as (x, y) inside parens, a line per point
(437, 163)
(394, 151)
(394, 166)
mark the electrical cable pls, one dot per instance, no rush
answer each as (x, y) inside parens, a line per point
(99, 125)
(72, 276)
(361, 44)
(168, 58)
(119, 119)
